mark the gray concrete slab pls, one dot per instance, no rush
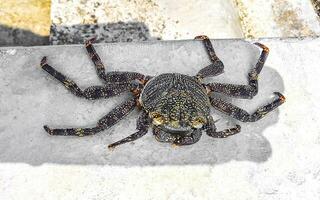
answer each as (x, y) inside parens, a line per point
(274, 157)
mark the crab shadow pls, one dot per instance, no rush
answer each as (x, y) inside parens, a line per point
(30, 99)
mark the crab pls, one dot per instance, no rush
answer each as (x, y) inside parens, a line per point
(174, 105)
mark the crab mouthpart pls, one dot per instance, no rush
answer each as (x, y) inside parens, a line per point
(180, 129)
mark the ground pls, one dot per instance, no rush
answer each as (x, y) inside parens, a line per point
(274, 158)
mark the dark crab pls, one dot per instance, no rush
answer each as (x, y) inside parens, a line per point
(177, 106)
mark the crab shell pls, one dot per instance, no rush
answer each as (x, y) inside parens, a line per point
(177, 103)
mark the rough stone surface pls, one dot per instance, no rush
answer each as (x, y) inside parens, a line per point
(316, 4)
(275, 158)
(112, 32)
(169, 20)
(164, 19)
(278, 18)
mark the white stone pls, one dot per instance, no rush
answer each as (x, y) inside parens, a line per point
(164, 19)
(278, 18)
(275, 158)
(139, 20)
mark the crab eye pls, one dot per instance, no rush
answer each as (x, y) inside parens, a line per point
(175, 123)
(198, 122)
(157, 119)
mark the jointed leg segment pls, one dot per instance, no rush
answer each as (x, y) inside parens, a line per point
(143, 124)
(216, 67)
(243, 91)
(95, 59)
(116, 83)
(212, 130)
(243, 115)
(106, 122)
(110, 77)
(93, 92)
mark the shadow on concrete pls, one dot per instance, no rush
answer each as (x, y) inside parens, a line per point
(77, 34)
(30, 98)
(250, 144)
(18, 37)
(104, 33)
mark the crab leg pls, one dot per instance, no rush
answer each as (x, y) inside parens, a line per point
(212, 130)
(113, 117)
(243, 91)
(93, 92)
(110, 77)
(216, 67)
(243, 115)
(143, 124)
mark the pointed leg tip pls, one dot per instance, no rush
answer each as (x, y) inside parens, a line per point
(262, 46)
(201, 37)
(281, 96)
(46, 128)
(43, 61)
(111, 147)
(258, 44)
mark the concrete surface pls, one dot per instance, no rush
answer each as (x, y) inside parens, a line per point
(275, 158)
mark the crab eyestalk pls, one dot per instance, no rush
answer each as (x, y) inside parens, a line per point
(157, 119)
(198, 122)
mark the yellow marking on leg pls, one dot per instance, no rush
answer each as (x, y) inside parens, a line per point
(79, 132)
